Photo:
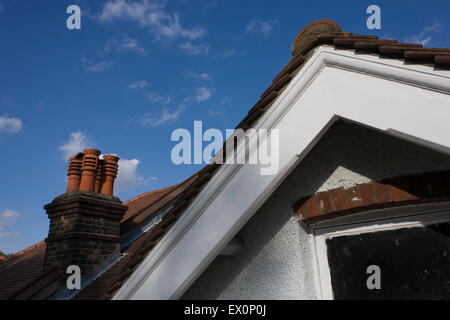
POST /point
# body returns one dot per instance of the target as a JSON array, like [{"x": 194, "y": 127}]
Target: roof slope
[
  {"x": 177, "y": 198},
  {"x": 22, "y": 275},
  {"x": 20, "y": 269}
]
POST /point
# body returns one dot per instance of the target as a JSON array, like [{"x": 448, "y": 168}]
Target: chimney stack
[{"x": 84, "y": 223}]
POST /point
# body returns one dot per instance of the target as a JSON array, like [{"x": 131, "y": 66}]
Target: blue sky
[{"x": 136, "y": 71}]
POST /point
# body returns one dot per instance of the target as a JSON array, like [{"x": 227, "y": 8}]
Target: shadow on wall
[{"x": 275, "y": 262}]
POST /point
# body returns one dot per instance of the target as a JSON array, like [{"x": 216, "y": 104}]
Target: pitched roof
[
  {"x": 20, "y": 269},
  {"x": 22, "y": 275},
  {"x": 177, "y": 198}
]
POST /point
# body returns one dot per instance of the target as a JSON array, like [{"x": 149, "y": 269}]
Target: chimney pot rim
[
  {"x": 92, "y": 151},
  {"x": 111, "y": 157},
  {"x": 77, "y": 156}
]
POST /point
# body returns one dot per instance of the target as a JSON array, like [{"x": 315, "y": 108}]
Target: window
[{"x": 411, "y": 255}]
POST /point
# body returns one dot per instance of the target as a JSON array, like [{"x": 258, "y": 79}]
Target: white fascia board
[{"x": 386, "y": 95}]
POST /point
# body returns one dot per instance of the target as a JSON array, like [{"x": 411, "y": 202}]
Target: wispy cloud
[
  {"x": 197, "y": 76},
  {"x": 259, "y": 26},
  {"x": 229, "y": 53},
  {"x": 194, "y": 49},
  {"x": 225, "y": 100},
  {"x": 76, "y": 143},
  {"x": 92, "y": 66},
  {"x": 163, "y": 117},
  {"x": 151, "y": 15},
  {"x": 8, "y": 218},
  {"x": 154, "y": 97},
  {"x": 10, "y": 234},
  {"x": 125, "y": 45},
  {"x": 213, "y": 113},
  {"x": 139, "y": 84},
  {"x": 425, "y": 37},
  {"x": 203, "y": 94},
  {"x": 9, "y": 124}
]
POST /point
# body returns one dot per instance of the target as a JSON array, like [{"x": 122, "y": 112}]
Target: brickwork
[
  {"x": 414, "y": 189},
  {"x": 84, "y": 230}
]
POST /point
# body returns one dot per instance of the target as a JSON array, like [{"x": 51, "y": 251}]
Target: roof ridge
[
  {"x": 34, "y": 246},
  {"x": 174, "y": 189}
]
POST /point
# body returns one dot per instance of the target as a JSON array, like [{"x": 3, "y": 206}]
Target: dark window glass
[{"x": 414, "y": 263}]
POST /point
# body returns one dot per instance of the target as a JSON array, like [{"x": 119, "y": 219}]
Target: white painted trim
[
  {"x": 406, "y": 220},
  {"x": 331, "y": 85}
]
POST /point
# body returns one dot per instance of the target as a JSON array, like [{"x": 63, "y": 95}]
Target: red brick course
[{"x": 405, "y": 190}]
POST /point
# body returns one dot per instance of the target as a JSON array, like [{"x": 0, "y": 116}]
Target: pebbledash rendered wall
[{"x": 276, "y": 259}]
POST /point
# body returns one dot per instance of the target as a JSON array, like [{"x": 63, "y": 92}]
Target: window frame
[{"x": 412, "y": 216}]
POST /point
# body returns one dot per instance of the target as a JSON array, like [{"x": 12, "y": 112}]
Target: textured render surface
[{"x": 276, "y": 260}]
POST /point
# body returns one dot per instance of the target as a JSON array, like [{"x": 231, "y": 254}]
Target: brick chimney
[{"x": 85, "y": 224}]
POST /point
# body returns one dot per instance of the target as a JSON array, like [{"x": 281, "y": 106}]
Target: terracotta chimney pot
[
  {"x": 100, "y": 176},
  {"x": 89, "y": 169},
  {"x": 111, "y": 168},
  {"x": 74, "y": 172}
]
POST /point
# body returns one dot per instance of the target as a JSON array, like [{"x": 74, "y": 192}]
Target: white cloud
[
  {"x": 129, "y": 44},
  {"x": 150, "y": 15},
  {"x": 139, "y": 84},
  {"x": 92, "y": 66},
  {"x": 203, "y": 94},
  {"x": 77, "y": 142},
  {"x": 259, "y": 26},
  {"x": 127, "y": 176},
  {"x": 230, "y": 53},
  {"x": 197, "y": 76},
  {"x": 154, "y": 97},
  {"x": 165, "y": 116},
  {"x": 213, "y": 113},
  {"x": 126, "y": 45},
  {"x": 8, "y": 218},
  {"x": 195, "y": 49},
  {"x": 426, "y": 35},
  {"x": 10, "y": 125},
  {"x": 150, "y": 179},
  {"x": 9, "y": 234}
]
